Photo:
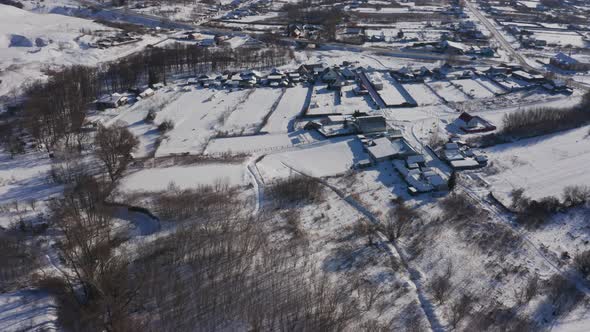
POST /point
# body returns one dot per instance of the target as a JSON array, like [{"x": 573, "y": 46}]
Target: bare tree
[
  {"x": 582, "y": 263},
  {"x": 114, "y": 146},
  {"x": 441, "y": 285},
  {"x": 400, "y": 220},
  {"x": 460, "y": 308},
  {"x": 100, "y": 290},
  {"x": 529, "y": 291}
]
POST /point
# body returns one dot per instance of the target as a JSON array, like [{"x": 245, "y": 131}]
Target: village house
[
  {"x": 527, "y": 77},
  {"x": 383, "y": 148},
  {"x": 371, "y": 124},
  {"x": 147, "y": 93},
  {"x": 569, "y": 62},
  {"x": 330, "y": 75},
  {"x": 451, "y": 47},
  {"x": 474, "y": 124},
  {"x": 111, "y": 101}
]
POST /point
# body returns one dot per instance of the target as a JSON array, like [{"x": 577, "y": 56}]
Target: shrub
[
  {"x": 562, "y": 293},
  {"x": 151, "y": 116},
  {"x": 576, "y": 195},
  {"x": 441, "y": 287},
  {"x": 458, "y": 207},
  {"x": 296, "y": 189},
  {"x": 166, "y": 126},
  {"x": 582, "y": 263}
]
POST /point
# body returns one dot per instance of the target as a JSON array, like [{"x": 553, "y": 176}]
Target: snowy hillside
[{"x": 31, "y": 43}]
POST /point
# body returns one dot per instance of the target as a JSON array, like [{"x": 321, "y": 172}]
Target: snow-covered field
[
  {"x": 561, "y": 38},
  {"x": 184, "y": 177},
  {"x": 543, "y": 166},
  {"x": 31, "y": 43},
  {"x": 350, "y": 102}
]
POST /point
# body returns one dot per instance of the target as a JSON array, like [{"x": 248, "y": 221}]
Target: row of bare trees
[{"x": 537, "y": 122}]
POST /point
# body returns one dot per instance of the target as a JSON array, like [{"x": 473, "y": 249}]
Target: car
[{"x": 473, "y": 58}]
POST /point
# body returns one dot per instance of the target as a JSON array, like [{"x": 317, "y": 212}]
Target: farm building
[
  {"x": 147, "y": 93},
  {"x": 421, "y": 180},
  {"x": 527, "y": 77},
  {"x": 111, "y": 101},
  {"x": 371, "y": 124},
  {"x": 464, "y": 164},
  {"x": 330, "y": 75},
  {"x": 384, "y": 149},
  {"x": 474, "y": 124}
]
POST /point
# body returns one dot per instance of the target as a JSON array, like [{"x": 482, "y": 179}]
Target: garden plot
[
  {"x": 350, "y": 102},
  {"x": 543, "y": 166},
  {"x": 447, "y": 91},
  {"x": 323, "y": 100},
  {"x": 196, "y": 114},
  {"x": 248, "y": 116},
  {"x": 491, "y": 86},
  {"x": 422, "y": 94},
  {"x": 473, "y": 88},
  {"x": 333, "y": 157},
  {"x": 393, "y": 93},
  {"x": 289, "y": 107},
  {"x": 184, "y": 177}
]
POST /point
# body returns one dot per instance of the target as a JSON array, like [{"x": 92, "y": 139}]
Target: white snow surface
[
  {"x": 333, "y": 157},
  {"x": 184, "y": 177},
  {"x": 543, "y": 166},
  {"x": 30, "y": 42}
]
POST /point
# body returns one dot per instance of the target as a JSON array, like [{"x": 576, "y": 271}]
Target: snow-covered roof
[
  {"x": 383, "y": 148},
  {"x": 564, "y": 59},
  {"x": 455, "y": 45},
  {"x": 464, "y": 163},
  {"x": 451, "y": 146},
  {"x": 416, "y": 159}
]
